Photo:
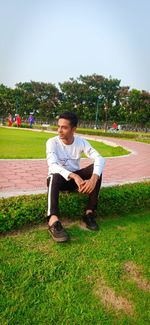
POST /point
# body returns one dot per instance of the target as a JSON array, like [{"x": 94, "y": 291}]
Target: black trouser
[{"x": 57, "y": 183}]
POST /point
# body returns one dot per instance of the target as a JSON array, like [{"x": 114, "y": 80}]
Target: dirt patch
[
  {"x": 23, "y": 230},
  {"x": 121, "y": 227},
  {"x": 111, "y": 299},
  {"x": 134, "y": 273},
  {"x": 83, "y": 226},
  {"x": 79, "y": 223},
  {"x": 69, "y": 223}
]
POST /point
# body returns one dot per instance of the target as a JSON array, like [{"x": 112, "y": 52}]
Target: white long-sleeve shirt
[{"x": 65, "y": 159}]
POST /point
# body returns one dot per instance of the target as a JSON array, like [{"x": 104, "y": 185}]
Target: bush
[
  {"x": 23, "y": 125},
  {"x": 107, "y": 134},
  {"x": 118, "y": 134},
  {"x": 16, "y": 212}
]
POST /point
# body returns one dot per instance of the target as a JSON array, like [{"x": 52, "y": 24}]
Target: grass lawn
[
  {"x": 28, "y": 144},
  {"x": 97, "y": 278}
]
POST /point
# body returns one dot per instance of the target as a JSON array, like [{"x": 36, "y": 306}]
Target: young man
[{"x": 63, "y": 157}]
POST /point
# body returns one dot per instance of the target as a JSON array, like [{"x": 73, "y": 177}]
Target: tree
[
  {"x": 122, "y": 105},
  {"x": 81, "y": 95},
  {"x": 139, "y": 108},
  {"x": 6, "y": 101},
  {"x": 88, "y": 96},
  {"x": 42, "y": 99},
  {"x": 95, "y": 99}
]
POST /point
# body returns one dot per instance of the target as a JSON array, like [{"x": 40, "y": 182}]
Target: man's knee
[
  {"x": 89, "y": 168},
  {"x": 86, "y": 172}
]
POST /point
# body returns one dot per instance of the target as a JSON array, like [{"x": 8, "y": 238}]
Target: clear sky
[{"x": 54, "y": 40}]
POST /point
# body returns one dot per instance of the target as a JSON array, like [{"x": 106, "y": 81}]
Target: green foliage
[
  {"x": 81, "y": 95},
  {"x": 22, "y": 210},
  {"x": 141, "y": 100},
  {"x": 40, "y": 98},
  {"x": 18, "y": 211},
  {"x": 123, "y": 199},
  {"x": 23, "y": 125},
  {"x": 37, "y": 97},
  {"x": 106, "y": 134},
  {"x": 6, "y": 101},
  {"x": 122, "y": 134}
]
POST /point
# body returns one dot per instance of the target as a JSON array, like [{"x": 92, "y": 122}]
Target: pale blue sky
[{"x": 53, "y": 40}]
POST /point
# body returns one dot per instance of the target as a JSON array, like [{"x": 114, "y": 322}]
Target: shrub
[
  {"x": 16, "y": 212},
  {"x": 122, "y": 134},
  {"x": 23, "y": 125}
]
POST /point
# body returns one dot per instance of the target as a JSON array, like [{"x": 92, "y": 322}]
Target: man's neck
[{"x": 68, "y": 141}]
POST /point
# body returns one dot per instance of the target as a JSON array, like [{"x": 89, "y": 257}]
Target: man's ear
[{"x": 74, "y": 129}]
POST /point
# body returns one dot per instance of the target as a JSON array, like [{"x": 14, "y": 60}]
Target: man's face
[{"x": 65, "y": 130}]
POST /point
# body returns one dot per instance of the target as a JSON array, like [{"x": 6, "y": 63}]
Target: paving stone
[{"x": 28, "y": 176}]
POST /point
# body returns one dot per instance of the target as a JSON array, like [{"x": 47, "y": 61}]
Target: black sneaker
[
  {"x": 89, "y": 220},
  {"x": 58, "y": 232}
]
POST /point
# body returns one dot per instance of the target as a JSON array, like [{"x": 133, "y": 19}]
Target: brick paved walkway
[{"x": 19, "y": 177}]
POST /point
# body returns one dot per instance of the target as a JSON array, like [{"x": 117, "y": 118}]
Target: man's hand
[
  {"x": 89, "y": 184},
  {"x": 78, "y": 180}
]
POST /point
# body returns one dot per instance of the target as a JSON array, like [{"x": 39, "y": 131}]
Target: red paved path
[{"x": 29, "y": 176}]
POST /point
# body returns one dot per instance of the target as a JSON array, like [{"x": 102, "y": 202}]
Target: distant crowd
[
  {"x": 17, "y": 120},
  {"x": 116, "y": 127}
]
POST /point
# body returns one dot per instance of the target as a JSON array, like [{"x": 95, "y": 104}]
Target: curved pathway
[{"x": 19, "y": 177}]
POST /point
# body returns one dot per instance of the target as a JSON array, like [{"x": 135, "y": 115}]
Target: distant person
[
  {"x": 115, "y": 126},
  {"x": 10, "y": 120},
  {"x": 18, "y": 120},
  {"x": 63, "y": 157},
  {"x": 31, "y": 120}
]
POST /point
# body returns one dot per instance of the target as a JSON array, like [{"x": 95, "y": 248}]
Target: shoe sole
[
  {"x": 94, "y": 229},
  {"x": 84, "y": 224},
  {"x": 57, "y": 239}
]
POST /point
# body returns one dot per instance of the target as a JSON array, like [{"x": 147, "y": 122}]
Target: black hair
[{"x": 71, "y": 116}]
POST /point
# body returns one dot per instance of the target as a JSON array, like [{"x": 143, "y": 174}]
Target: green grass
[
  {"x": 28, "y": 144},
  {"x": 48, "y": 283}
]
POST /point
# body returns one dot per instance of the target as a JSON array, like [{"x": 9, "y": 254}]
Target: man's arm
[
  {"x": 52, "y": 160},
  {"x": 89, "y": 184},
  {"x": 78, "y": 180},
  {"x": 99, "y": 163}
]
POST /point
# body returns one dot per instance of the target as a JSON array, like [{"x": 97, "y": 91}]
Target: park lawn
[
  {"x": 97, "y": 278},
  {"x": 27, "y": 144}
]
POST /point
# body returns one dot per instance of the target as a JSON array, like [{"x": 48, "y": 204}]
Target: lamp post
[
  {"x": 105, "y": 109},
  {"x": 96, "y": 118},
  {"x": 97, "y": 110},
  {"x": 17, "y": 106}
]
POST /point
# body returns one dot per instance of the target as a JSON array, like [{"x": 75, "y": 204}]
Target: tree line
[{"x": 94, "y": 98}]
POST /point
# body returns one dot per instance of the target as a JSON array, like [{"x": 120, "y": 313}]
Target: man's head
[
  {"x": 67, "y": 124},
  {"x": 71, "y": 117}
]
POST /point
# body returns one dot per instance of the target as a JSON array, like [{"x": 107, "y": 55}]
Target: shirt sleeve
[
  {"x": 99, "y": 161},
  {"x": 53, "y": 163}
]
